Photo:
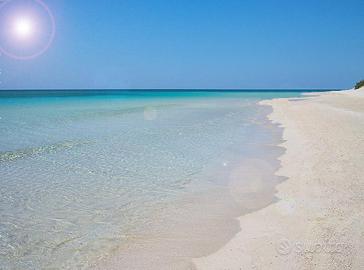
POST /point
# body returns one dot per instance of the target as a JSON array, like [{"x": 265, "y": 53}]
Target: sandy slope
[{"x": 318, "y": 223}]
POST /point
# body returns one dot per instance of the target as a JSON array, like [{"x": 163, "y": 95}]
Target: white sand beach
[{"x": 318, "y": 220}]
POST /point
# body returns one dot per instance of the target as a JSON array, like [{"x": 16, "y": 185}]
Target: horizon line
[{"x": 177, "y": 89}]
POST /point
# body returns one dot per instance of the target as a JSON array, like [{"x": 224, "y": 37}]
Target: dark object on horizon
[{"x": 359, "y": 84}]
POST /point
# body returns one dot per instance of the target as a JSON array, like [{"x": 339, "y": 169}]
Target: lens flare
[{"x": 27, "y": 28}]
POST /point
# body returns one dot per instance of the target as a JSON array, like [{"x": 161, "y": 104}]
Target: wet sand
[{"x": 318, "y": 219}]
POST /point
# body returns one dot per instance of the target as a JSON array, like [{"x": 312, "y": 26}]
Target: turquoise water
[{"x": 82, "y": 173}]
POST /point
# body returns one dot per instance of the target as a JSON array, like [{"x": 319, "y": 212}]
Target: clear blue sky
[{"x": 197, "y": 44}]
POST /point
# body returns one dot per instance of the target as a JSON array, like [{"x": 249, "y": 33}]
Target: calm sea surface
[{"x": 84, "y": 175}]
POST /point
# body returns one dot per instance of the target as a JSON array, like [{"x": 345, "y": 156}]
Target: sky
[{"x": 245, "y": 44}]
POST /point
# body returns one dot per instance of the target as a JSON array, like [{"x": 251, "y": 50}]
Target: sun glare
[{"x": 23, "y": 28}]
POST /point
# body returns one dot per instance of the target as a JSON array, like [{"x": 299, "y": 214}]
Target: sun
[
  {"x": 23, "y": 28},
  {"x": 27, "y": 28}
]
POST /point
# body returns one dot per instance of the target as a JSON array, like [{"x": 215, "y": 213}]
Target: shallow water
[{"x": 87, "y": 178}]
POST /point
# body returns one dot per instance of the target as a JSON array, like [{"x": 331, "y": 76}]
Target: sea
[{"x": 130, "y": 179}]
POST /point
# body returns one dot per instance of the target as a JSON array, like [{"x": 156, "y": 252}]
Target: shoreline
[
  {"x": 248, "y": 185},
  {"x": 317, "y": 222},
  {"x": 204, "y": 162}
]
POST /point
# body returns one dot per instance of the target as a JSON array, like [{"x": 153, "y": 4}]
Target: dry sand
[{"x": 318, "y": 221}]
